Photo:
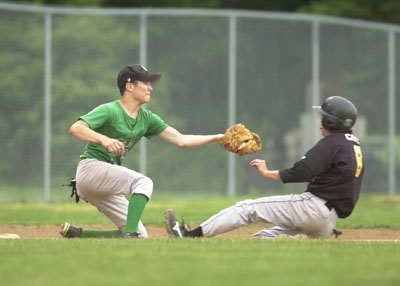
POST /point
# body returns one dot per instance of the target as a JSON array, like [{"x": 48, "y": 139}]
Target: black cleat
[
  {"x": 173, "y": 227},
  {"x": 336, "y": 233},
  {"x": 70, "y": 231},
  {"x": 130, "y": 235}
]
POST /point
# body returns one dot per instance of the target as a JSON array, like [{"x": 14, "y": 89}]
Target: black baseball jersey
[{"x": 334, "y": 169}]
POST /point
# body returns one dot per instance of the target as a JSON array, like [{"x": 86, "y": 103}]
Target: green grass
[
  {"x": 197, "y": 262},
  {"x": 212, "y": 261},
  {"x": 372, "y": 211}
]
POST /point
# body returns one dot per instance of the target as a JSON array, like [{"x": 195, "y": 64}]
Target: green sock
[
  {"x": 136, "y": 207},
  {"x": 101, "y": 233}
]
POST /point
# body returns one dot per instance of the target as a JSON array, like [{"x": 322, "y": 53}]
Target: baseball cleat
[
  {"x": 336, "y": 232},
  {"x": 70, "y": 231},
  {"x": 173, "y": 227},
  {"x": 130, "y": 235},
  {"x": 184, "y": 228}
]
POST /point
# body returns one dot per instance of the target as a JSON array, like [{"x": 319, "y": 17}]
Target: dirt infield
[{"x": 52, "y": 231}]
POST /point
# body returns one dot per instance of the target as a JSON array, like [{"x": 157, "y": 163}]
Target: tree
[{"x": 372, "y": 10}]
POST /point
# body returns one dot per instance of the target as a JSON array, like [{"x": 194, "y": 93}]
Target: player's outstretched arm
[
  {"x": 262, "y": 168},
  {"x": 184, "y": 141},
  {"x": 82, "y": 131}
]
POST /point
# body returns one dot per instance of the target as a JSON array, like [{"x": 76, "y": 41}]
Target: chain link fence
[{"x": 219, "y": 67}]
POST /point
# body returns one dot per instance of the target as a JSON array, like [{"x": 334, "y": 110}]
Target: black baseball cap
[{"x": 133, "y": 72}]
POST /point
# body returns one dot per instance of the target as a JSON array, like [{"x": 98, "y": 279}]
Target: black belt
[{"x": 329, "y": 206}]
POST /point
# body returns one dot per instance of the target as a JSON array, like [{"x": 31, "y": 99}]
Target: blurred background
[{"x": 262, "y": 63}]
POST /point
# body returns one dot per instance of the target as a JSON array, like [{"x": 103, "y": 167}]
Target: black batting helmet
[{"x": 339, "y": 113}]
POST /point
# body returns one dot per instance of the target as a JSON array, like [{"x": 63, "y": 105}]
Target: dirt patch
[{"x": 52, "y": 231}]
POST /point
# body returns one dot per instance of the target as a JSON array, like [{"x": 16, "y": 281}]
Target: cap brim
[
  {"x": 151, "y": 77},
  {"x": 319, "y": 110}
]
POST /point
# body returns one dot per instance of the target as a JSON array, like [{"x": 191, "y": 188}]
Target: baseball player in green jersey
[{"x": 111, "y": 130}]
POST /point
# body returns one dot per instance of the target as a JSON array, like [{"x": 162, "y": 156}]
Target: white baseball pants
[
  {"x": 291, "y": 214},
  {"x": 106, "y": 186}
]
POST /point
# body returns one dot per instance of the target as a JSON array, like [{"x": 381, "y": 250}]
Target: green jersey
[{"x": 111, "y": 120}]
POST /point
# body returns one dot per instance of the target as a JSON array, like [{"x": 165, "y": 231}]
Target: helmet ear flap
[
  {"x": 325, "y": 122},
  {"x": 328, "y": 123}
]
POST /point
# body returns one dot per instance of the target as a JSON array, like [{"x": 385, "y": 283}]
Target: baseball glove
[{"x": 238, "y": 139}]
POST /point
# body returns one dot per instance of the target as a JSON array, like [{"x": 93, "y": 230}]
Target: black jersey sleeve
[{"x": 298, "y": 173}]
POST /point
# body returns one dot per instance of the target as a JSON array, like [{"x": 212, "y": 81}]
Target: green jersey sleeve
[
  {"x": 156, "y": 125},
  {"x": 97, "y": 117}
]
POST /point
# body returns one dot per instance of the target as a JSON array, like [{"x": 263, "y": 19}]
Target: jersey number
[{"x": 358, "y": 153}]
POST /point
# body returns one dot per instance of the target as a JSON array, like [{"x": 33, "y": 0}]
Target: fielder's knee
[{"x": 144, "y": 186}]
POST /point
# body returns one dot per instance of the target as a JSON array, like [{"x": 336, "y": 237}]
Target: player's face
[
  {"x": 324, "y": 132},
  {"x": 142, "y": 91}
]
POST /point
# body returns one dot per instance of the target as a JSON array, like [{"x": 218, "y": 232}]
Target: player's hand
[
  {"x": 114, "y": 146},
  {"x": 219, "y": 136},
  {"x": 260, "y": 165},
  {"x": 262, "y": 168}
]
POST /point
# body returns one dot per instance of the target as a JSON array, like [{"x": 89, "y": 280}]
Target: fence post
[
  {"x": 315, "y": 77},
  {"x": 232, "y": 100},
  {"x": 47, "y": 108},
  {"x": 143, "y": 61},
  {"x": 392, "y": 112}
]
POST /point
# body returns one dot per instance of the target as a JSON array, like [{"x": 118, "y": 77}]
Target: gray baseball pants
[
  {"x": 291, "y": 214},
  {"x": 106, "y": 186}
]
